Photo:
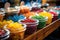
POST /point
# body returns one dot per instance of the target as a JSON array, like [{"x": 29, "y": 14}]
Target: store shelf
[{"x": 44, "y": 32}]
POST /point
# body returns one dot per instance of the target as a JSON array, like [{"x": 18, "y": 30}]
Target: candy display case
[{"x": 32, "y": 21}]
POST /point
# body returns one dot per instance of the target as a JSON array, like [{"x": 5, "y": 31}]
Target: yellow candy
[
  {"x": 47, "y": 14},
  {"x": 12, "y": 26},
  {"x": 15, "y": 27},
  {"x": 1, "y": 25},
  {"x": 7, "y": 22}
]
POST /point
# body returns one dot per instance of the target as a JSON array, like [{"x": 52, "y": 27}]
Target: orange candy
[
  {"x": 29, "y": 14},
  {"x": 24, "y": 9}
]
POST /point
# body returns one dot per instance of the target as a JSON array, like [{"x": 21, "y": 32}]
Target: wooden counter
[{"x": 44, "y": 32}]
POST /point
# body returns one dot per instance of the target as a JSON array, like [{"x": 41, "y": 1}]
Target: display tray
[{"x": 44, "y": 32}]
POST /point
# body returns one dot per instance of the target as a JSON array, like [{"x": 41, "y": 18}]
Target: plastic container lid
[{"x": 6, "y": 35}]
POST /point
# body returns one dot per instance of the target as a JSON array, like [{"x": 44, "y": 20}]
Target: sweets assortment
[{"x": 26, "y": 21}]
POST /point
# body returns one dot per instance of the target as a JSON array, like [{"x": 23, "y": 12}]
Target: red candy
[
  {"x": 54, "y": 13},
  {"x": 31, "y": 25},
  {"x": 28, "y": 20}
]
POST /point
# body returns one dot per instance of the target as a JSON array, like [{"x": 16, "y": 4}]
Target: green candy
[{"x": 42, "y": 21}]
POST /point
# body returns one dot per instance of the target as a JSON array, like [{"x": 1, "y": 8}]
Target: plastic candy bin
[
  {"x": 18, "y": 34},
  {"x": 5, "y": 34},
  {"x": 31, "y": 25},
  {"x": 42, "y": 21},
  {"x": 47, "y": 14}
]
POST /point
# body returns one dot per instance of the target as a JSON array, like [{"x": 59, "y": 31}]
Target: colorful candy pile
[
  {"x": 15, "y": 27},
  {"x": 15, "y": 18},
  {"x": 38, "y": 17},
  {"x": 28, "y": 21},
  {"x": 42, "y": 21},
  {"x": 27, "y": 15},
  {"x": 5, "y": 22}
]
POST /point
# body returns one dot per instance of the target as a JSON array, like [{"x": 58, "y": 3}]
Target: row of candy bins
[
  {"x": 26, "y": 11},
  {"x": 31, "y": 25},
  {"x": 42, "y": 20},
  {"x": 4, "y": 33},
  {"x": 16, "y": 29},
  {"x": 52, "y": 15}
]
